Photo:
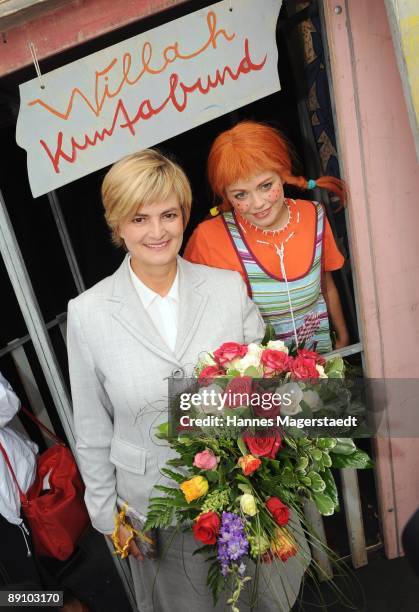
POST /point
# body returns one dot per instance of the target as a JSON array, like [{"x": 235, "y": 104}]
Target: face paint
[
  {"x": 242, "y": 207},
  {"x": 259, "y": 199},
  {"x": 272, "y": 195}
]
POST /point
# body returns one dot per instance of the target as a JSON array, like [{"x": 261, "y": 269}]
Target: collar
[{"x": 147, "y": 295}]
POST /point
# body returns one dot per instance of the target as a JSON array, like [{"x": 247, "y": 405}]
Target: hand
[{"x": 124, "y": 534}]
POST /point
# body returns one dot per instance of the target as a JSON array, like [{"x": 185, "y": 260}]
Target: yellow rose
[
  {"x": 194, "y": 488},
  {"x": 248, "y": 504}
]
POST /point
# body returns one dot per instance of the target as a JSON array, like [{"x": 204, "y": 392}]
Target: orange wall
[{"x": 379, "y": 164}]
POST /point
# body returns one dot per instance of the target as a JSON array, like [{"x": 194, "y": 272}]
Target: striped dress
[{"x": 271, "y": 294}]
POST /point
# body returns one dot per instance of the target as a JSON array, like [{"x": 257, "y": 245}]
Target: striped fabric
[{"x": 270, "y": 294}]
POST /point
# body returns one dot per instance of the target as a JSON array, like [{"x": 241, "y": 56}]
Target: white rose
[
  {"x": 207, "y": 361},
  {"x": 251, "y": 359},
  {"x": 291, "y": 396},
  {"x": 278, "y": 345},
  {"x": 321, "y": 371},
  {"x": 313, "y": 400}
]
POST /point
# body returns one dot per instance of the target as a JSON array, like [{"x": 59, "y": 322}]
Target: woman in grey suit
[{"x": 127, "y": 335}]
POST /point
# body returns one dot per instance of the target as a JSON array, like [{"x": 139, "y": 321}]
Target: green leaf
[
  {"x": 316, "y": 453},
  {"x": 326, "y": 460},
  {"x": 302, "y": 463},
  {"x": 211, "y": 475},
  {"x": 335, "y": 367},
  {"x": 233, "y": 373},
  {"x": 242, "y": 446},
  {"x": 358, "y": 460},
  {"x": 326, "y": 443},
  {"x": 163, "y": 431},
  {"x": 269, "y": 333},
  {"x": 344, "y": 446},
  {"x": 215, "y": 581},
  {"x": 324, "y": 504},
  {"x": 159, "y": 516},
  {"x": 253, "y": 372},
  {"x": 331, "y": 489},
  {"x": 176, "y": 476},
  {"x": 317, "y": 483}
]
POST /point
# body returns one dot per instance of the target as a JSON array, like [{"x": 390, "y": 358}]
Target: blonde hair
[{"x": 140, "y": 179}]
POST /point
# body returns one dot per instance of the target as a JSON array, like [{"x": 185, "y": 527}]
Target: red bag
[{"x": 58, "y": 515}]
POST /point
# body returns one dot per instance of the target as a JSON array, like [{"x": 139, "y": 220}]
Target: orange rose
[
  {"x": 283, "y": 545},
  {"x": 194, "y": 488},
  {"x": 249, "y": 464}
]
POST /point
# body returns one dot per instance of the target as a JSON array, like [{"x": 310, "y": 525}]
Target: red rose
[
  {"x": 238, "y": 392},
  {"x": 206, "y": 527},
  {"x": 279, "y": 511},
  {"x": 263, "y": 446},
  {"x": 268, "y": 405},
  {"x": 229, "y": 351},
  {"x": 302, "y": 368},
  {"x": 274, "y": 362},
  {"x": 312, "y": 355},
  {"x": 210, "y": 372}
]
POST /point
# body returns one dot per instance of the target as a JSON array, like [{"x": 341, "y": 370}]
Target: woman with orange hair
[{"x": 284, "y": 248}]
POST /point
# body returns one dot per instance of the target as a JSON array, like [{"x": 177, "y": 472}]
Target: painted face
[
  {"x": 260, "y": 200},
  {"x": 153, "y": 235}
]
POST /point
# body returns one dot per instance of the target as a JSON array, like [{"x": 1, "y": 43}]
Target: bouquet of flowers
[{"x": 241, "y": 487}]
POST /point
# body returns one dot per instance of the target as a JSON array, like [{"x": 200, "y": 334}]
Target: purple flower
[{"x": 232, "y": 542}]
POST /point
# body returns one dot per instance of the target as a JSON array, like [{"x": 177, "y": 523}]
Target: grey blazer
[{"x": 119, "y": 365}]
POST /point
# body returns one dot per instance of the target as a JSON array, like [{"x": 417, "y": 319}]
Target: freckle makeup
[
  {"x": 242, "y": 206},
  {"x": 272, "y": 195}
]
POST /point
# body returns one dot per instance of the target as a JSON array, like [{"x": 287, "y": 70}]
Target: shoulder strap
[
  {"x": 23, "y": 497},
  {"x": 42, "y": 426}
]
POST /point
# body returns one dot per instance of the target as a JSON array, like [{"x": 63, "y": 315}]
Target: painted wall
[
  {"x": 379, "y": 163},
  {"x": 403, "y": 16}
]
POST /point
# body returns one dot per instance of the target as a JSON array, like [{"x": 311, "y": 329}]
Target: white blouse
[{"x": 163, "y": 311}]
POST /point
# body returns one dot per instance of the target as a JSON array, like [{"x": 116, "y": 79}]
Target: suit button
[{"x": 178, "y": 373}]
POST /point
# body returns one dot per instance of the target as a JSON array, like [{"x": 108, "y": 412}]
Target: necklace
[{"x": 277, "y": 233}]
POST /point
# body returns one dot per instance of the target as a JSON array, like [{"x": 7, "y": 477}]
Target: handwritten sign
[{"x": 146, "y": 89}]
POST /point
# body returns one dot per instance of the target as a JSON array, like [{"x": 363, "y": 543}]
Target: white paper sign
[{"x": 147, "y": 89}]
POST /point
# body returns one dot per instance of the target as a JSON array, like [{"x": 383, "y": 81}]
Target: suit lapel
[
  {"x": 192, "y": 304},
  {"x": 128, "y": 309}
]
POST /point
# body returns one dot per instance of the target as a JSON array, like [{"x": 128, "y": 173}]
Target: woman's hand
[{"x": 124, "y": 534}]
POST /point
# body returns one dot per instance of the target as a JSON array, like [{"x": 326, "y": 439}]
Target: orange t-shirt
[{"x": 210, "y": 244}]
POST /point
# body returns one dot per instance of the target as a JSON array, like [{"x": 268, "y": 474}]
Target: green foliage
[
  {"x": 215, "y": 581},
  {"x": 358, "y": 460},
  {"x": 344, "y": 446},
  {"x": 160, "y": 514},
  {"x": 324, "y": 503},
  {"x": 176, "y": 476},
  {"x": 335, "y": 367},
  {"x": 331, "y": 489},
  {"x": 269, "y": 334}
]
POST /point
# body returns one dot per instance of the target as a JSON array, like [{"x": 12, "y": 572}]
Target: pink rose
[
  {"x": 228, "y": 351},
  {"x": 205, "y": 460},
  {"x": 208, "y": 373},
  {"x": 274, "y": 362},
  {"x": 302, "y": 368},
  {"x": 312, "y": 355},
  {"x": 238, "y": 392}
]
